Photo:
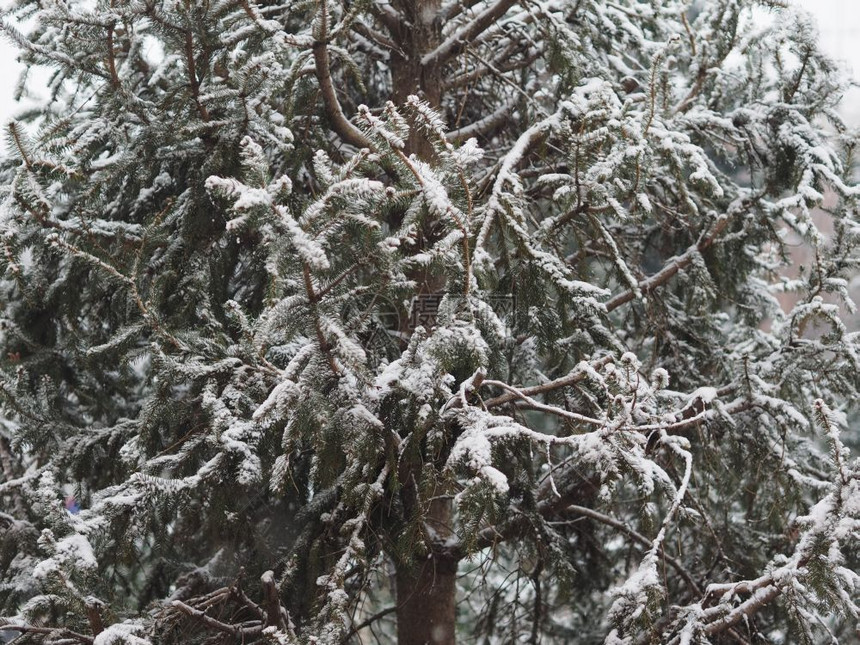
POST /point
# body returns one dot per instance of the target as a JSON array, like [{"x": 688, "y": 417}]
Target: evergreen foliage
[{"x": 427, "y": 319}]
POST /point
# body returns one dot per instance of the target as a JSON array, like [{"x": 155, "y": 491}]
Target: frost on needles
[{"x": 428, "y": 321}]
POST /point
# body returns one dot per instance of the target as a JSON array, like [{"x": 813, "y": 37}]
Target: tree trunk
[
  {"x": 427, "y": 589},
  {"x": 427, "y": 592},
  {"x": 408, "y": 76},
  {"x": 426, "y": 603}
]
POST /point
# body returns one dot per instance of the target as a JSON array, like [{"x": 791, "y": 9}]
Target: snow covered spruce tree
[{"x": 427, "y": 320}]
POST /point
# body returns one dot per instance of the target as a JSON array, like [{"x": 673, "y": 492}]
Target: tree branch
[
  {"x": 456, "y": 8},
  {"x": 466, "y": 34},
  {"x": 234, "y": 630},
  {"x": 504, "y": 62},
  {"x": 374, "y": 36},
  {"x": 313, "y": 300},
  {"x": 386, "y": 14},
  {"x": 369, "y": 621},
  {"x": 685, "y": 259},
  {"x": 339, "y": 123},
  {"x": 275, "y": 614},
  {"x": 747, "y": 608},
  {"x": 638, "y": 537},
  {"x": 47, "y": 631},
  {"x": 482, "y": 126},
  {"x": 192, "y": 76},
  {"x": 579, "y": 373}
]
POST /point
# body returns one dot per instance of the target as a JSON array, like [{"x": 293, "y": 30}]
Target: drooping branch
[
  {"x": 506, "y": 173},
  {"x": 684, "y": 260},
  {"x": 641, "y": 539}
]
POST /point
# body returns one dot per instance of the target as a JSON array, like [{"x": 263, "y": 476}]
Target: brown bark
[
  {"x": 420, "y": 33},
  {"x": 427, "y": 613},
  {"x": 427, "y": 591}
]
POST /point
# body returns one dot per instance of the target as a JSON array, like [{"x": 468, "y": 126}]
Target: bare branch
[
  {"x": 482, "y": 126},
  {"x": 369, "y": 621},
  {"x": 339, "y": 123},
  {"x": 536, "y": 405},
  {"x": 48, "y": 631},
  {"x": 374, "y": 36},
  {"x": 214, "y": 623},
  {"x": 504, "y": 62},
  {"x": 467, "y": 34},
  {"x": 456, "y": 8},
  {"x": 275, "y": 614},
  {"x": 94, "y": 616},
  {"x": 386, "y": 14},
  {"x": 579, "y": 374}
]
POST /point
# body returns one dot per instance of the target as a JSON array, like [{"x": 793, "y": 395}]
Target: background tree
[{"x": 426, "y": 319}]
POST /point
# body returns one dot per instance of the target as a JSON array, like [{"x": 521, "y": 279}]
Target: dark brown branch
[
  {"x": 192, "y": 76},
  {"x": 344, "y": 274},
  {"x": 641, "y": 539},
  {"x": 313, "y": 300},
  {"x": 385, "y": 14},
  {"x": 682, "y": 261},
  {"x": 583, "y": 490},
  {"x": 575, "y": 376},
  {"x": 467, "y": 34},
  {"x": 48, "y": 631},
  {"x": 338, "y": 121},
  {"x": 504, "y": 62},
  {"x": 236, "y": 631},
  {"x": 16, "y": 136},
  {"x": 94, "y": 616},
  {"x": 114, "y": 77},
  {"x": 374, "y": 36},
  {"x": 701, "y": 77},
  {"x": 792, "y": 91},
  {"x": 456, "y": 8},
  {"x": 482, "y": 126},
  {"x": 369, "y": 621},
  {"x": 275, "y": 614}
]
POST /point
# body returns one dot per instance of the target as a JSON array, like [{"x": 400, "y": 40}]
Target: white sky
[{"x": 839, "y": 22}]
